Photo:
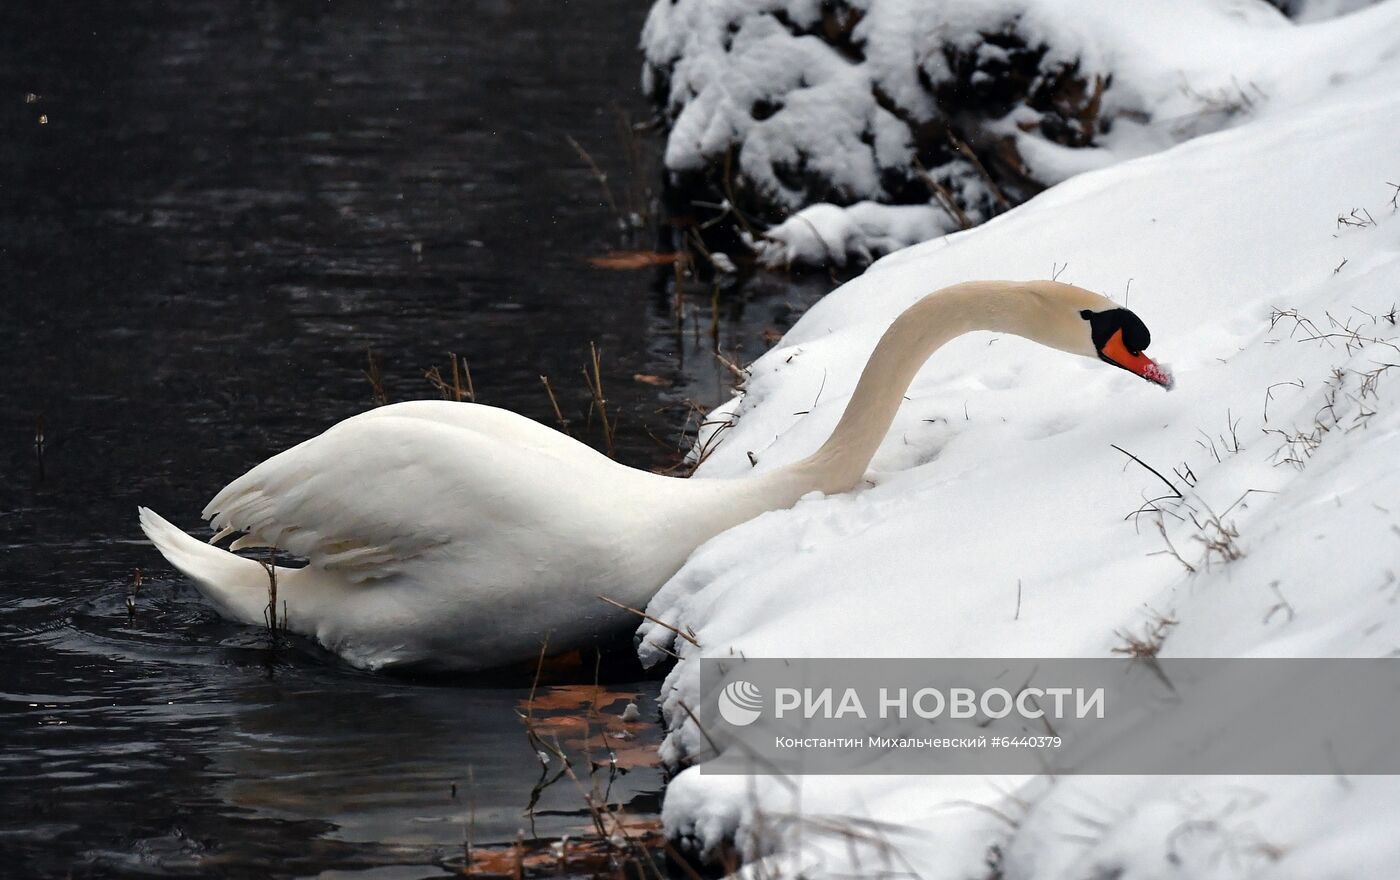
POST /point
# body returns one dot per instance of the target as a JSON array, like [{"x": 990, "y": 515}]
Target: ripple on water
[{"x": 202, "y": 279}]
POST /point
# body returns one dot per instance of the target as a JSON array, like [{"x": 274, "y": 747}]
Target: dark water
[{"x": 209, "y": 213}]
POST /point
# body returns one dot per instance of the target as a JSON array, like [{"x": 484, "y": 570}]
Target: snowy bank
[
  {"x": 999, "y": 520},
  {"x": 963, "y": 109}
]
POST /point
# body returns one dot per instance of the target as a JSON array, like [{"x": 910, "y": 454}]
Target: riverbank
[{"x": 1001, "y": 521}]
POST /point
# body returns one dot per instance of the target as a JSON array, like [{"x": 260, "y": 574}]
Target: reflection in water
[
  {"x": 424, "y": 766},
  {"x": 225, "y": 206}
]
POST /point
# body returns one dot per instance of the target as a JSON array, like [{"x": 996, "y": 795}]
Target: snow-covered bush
[
  {"x": 785, "y": 103},
  {"x": 964, "y": 108}
]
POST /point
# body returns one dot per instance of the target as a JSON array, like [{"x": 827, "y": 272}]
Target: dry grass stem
[
  {"x": 598, "y": 174},
  {"x": 270, "y": 612},
  {"x": 976, "y": 163},
  {"x": 730, "y": 201},
  {"x": 618, "y": 845},
  {"x": 1358, "y": 218},
  {"x": 461, "y": 387},
  {"x": 457, "y": 380},
  {"x": 374, "y": 372},
  {"x": 1148, "y": 644},
  {"x": 1156, "y": 473},
  {"x": 1171, "y": 548},
  {"x": 554, "y": 403},
  {"x": 639, "y": 196},
  {"x": 944, "y": 198},
  {"x": 740, "y": 374},
  {"x": 600, "y": 401},
  {"x": 1282, "y": 606},
  {"x": 1219, "y": 538},
  {"x": 687, "y": 634}
]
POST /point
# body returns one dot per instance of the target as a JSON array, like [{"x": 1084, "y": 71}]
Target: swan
[{"x": 450, "y": 536}]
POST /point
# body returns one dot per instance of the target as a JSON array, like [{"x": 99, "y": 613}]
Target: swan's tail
[{"x": 236, "y": 586}]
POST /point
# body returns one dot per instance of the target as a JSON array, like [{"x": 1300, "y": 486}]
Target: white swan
[{"x": 454, "y": 536}]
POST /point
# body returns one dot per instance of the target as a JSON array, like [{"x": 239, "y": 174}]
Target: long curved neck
[
  {"x": 1043, "y": 311},
  {"x": 1001, "y": 306}
]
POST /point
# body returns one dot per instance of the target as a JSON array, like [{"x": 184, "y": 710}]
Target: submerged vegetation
[{"x": 585, "y": 736}]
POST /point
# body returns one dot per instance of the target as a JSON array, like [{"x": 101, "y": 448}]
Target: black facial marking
[{"x": 1104, "y": 324}]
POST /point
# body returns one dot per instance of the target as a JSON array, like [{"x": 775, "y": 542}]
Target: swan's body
[{"x": 458, "y": 536}]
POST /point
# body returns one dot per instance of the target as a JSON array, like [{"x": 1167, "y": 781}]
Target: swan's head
[
  {"x": 1119, "y": 337},
  {"x": 1085, "y": 323}
]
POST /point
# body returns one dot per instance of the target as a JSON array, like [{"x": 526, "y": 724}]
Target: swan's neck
[
  {"x": 1006, "y": 307},
  {"x": 1043, "y": 311}
]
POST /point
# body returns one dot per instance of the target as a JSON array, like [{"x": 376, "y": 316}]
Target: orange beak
[{"x": 1116, "y": 353}]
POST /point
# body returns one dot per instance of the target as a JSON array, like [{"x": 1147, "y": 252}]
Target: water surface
[{"x": 211, "y": 214}]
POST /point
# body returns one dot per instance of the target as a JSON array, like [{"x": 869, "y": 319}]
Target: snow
[
  {"x": 826, "y": 234},
  {"x": 816, "y": 121},
  {"x": 1263, "y": 257}
]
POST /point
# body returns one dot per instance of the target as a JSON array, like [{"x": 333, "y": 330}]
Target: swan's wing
[
  {"x": 490, "y": 421},
  {"x": 373, "y": 494}
]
